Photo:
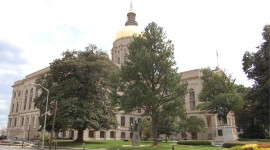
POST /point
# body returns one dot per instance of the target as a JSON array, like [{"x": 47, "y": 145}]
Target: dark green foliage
[
  {"x": 229, "y": 145},
  {"x": 256, "y": 66},
  {"x": 149, "y": 79},
  {"x": 259, "y": 140},
  {"x": 219, "y": 94},
  {"x": 79, "y": 83},
  {"x": 254, "y": 131},
  {"x": 167, "y": 126},
  {"x": 192, "y": 124},
  {"x": 191, "y": 142}
]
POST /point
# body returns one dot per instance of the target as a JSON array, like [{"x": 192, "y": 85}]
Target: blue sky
[{"x": 35, "y": 32}]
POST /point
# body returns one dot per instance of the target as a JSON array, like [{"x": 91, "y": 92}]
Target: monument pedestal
[
  {"x": 225, "y": 134},
  {"x": 136, "y": 139}
]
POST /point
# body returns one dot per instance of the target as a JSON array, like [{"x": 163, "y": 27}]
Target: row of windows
[
  {"x": 117, "y": 56},
  {"x": 19, "y": 107},
  {"x": 131, "y": 121},
  {"x": 102, "y": 134},
  {"x": 21, "y": 121},
  {"x": 20, "y": 93},
  {"x": 24, "y": 106}
]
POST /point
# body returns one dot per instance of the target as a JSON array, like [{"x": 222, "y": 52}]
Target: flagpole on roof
[{"x": 217, "y": 57}]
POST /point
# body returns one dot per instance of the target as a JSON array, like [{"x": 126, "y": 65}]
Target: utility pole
[
  {"x": 28, "y": 133},
  {"x": 54, "y": 115}
]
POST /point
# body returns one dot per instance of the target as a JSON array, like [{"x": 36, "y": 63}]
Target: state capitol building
[{"x": 23, "y": 116}]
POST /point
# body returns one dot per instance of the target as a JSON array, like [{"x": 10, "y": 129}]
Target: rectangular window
[
  {"x": 139, "y": 110},
  {"x": 139, "y": 120},
  {"x": 31, "y": 99},
  {"x": 17, "y": 107},
  {"x": 12, "y": 108},
  {"x": 192, "y": 99},
  {"x": 25, "y": 99},
  {"x": 102, "y": 134},
  {"x": 112, "y": 134},
  {"x": 15, "y": 122},
  {"x": 122, "y": 121},
  {"x": 64, "y": 134},
  {"x": 91, "y": 134},
  {"x": 131, "y": 120},
  {"x": 30, "y": 103},
  {"x": 22, "y": 121},
  {"x": 209, "y": 120}
]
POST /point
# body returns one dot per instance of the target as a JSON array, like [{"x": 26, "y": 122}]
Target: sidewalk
[{"x": 16, "y": 147}]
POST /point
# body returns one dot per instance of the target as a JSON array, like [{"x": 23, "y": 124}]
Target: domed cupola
[
  {"x": 131, "y": 26},
  {"x": 123, "y": 37},
  {"x": 131, "y": 17}
]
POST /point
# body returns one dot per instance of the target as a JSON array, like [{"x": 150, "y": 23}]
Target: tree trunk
[
  {"x": 166, "y": 138},
  {"x": 154, "y": 128},
  {"x": 80, "y": 136}
]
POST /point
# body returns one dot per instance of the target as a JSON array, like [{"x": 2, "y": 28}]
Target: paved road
[{"x": 4, "y": 147}]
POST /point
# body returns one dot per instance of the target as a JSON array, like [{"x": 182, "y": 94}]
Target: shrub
[
  {"x": 265, "y": 145},
  {"x": 236, "y": 148},
  {"x": 229, "y": 145},
  {"x": 255, "y": 132},
  {"x": 259, "y": 140},
  {"x": 190, "y": 142},
  {"x": 252, "y": 147}
]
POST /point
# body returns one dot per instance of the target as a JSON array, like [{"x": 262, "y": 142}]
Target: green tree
[
  {"x": 192, "y": 124},
  {"x": 79, "y": 83},
  {"x": 219, "y": 94},
  {"x": 145, "y": 128},
  {"x": 167, "y": 126},
  {"x": 149, "y": 79},
  {"x": 256, "y": 66}
]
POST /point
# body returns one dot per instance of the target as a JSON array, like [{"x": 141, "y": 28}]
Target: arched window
[
  {"x": 192, "y": 99},
  {"x": 123, "y": 135}
]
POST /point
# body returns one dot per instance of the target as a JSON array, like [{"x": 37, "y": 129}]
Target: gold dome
[{"x": 127, "y": 31}]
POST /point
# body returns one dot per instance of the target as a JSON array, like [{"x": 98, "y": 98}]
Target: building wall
[
  {"x": 24, "y": 119},
  {"x": 120, "y": 50},
  {"x": 23, "y": 116}
]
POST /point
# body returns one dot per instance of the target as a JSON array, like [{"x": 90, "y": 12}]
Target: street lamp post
[
  {"x": 28, "y": 133},
  {"x": 43, "y": 135}
]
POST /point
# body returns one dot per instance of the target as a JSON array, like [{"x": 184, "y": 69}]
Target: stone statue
[
  {"x": 222, "y": 114},
  {"x": 136, "y": 126}
]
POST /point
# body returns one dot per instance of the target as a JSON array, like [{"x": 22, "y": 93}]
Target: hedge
[
  {"x": 229, "y": 145},
  {"x": 191, "y": 142}
]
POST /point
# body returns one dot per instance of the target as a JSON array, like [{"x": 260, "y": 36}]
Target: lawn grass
[{"x": 121, "y": 145}]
